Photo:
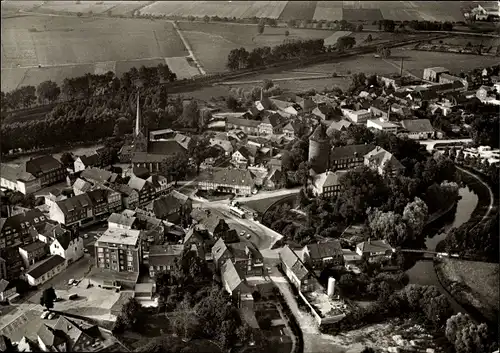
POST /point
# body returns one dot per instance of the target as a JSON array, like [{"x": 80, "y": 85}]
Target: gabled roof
[
  {"x": 73, "y": 333},
  {"x": 29, "y": 218},
  {"x": 4, "y": 285},
  {"x": 243, "y": 122},
  {"x": 338, "y": 125},
  {"x": 417, "y": 125},
  {"x": 230, "y": 275},
  {"x": 182, "y": 140},
  {"x": 32, "y": 247},
  {"x": 137, "y": 183},
  {"x": 124, "y": 189},
  {"x": 98, "y": 196},
  {"x": 318, "y": 251},
  {"x": 272, "y": 119},
  {"x": 329, "y": 178},
  {"x": 237, "y": 177},
  {"x": 65, "y": 239},
  {"x": 89, "y": 161},
  {"x": 156, "y": 180},
  {"x": 374, "y": 246},
  {"x": 98, "y": 175},
  {"x": 51, "y": 337},
  {"x": 382, "y": 159},
  {"x": 163, "y": 148},
  {"x": 293, "y": 262},
  {"x": 164, "y": 206},
  {"x": 438, "y": 69},
  {"x": 350, "y": 151},
  {"x": 14, "y": 173},
  {"x": 164, "y": 254},
  {"x": 42, "y": 164},
  {"x": 247, "y": 152},
  {"x": 45, "y": 266},
  {"x": 121, "y": 219}
]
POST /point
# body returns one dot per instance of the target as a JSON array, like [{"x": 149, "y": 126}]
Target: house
[
  {"x": 167, "y": 207},
  {"x": 199, "y": 240},
  {"x": 51, "y": 340},
  {"x": 16, "y": 179},
  {"x": 274, "y": 180},
  {"x": 418, "y": 129},
  {"x": 122, "y": 221},
  {"x": 144, "y": 291},
  {"x": 81, "y": 186},
  {"x": 7, "y": 290},
  {"x": 290, "y": 130},
  {"x": 53, "y": 196},
  {"x": 225, "y": 144},
  {"x": 162, "y": 258},
  {"x": 488, "y": 95},
  {"x": 236, "y": 181},
  {"x": 433, "y": 73},
  {"x": 245, "y": 256},
  {"x": 47, "y": 169},
  {"x": 84, "y": 162},
  {"x": 98, "y": 176},
  {"x": 356, "y": 116},
  {"x": 45, "y": 270},
  {"x": 307, "y": 104},
  {"x": 382, "y": 125},
  {"x": 182, "y": 140},
  {"x": 296, "y": 271},
  {"x": 349, "y": 157},
  {"x": 128, "y": 259},
  {"x": 271, "y": 125},
  {"x": 129, "y": 196},
  {"x": 244, "y": 156},
  {"x": 67, "y": 245},
  {"x": 375, "y": 250},
  {"x": 33, "y": 252},
  {"x": 447, "y": 78},
  {"x": 99, "y": 202},
  {"x": 16, "y": 231},
  {"x": 75, "y": 210},
  {"x": 234, "y": 282},
  {"x": 161, "y": 184},
  {"x": 382, "y": 162},
  {"x": 250, "y": 127},
  {"x": 80, "y": 336},
  {"x": 327, "y": 184},
  {"x": 323, "y": 255},
  {"x": 144, "y": 188},
  {"x": 340, "y": 125}
]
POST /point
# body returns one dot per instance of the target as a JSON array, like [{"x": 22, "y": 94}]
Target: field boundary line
[{"x": 188, "y": 47}]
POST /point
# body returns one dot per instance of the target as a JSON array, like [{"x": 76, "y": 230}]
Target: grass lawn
[{"x": 476, "y": 282}]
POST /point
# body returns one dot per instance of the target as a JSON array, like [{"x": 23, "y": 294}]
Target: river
[{"x": 423, "y": 271}]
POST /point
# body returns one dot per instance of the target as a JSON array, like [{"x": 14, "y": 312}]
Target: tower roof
[{"x": 319, "y": 133}]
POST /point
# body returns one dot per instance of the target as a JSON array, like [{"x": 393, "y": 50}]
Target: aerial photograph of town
[{"x": 250, "y": 176}]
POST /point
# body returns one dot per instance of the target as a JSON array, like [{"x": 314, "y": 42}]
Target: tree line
[
  {"x": 242, "y": 59},
  {"x": 84, "y": 87}
]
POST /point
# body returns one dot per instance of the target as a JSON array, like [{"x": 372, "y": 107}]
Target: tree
[
  {"x": 107, "y": 156},
  {"x": 415, "y": 215},
  {"x": 131, "y": 316},
  {"x": 206, "y": 19},
  {"x": 190, "y": 114},
  {"x": 67, "y": 160},
  {"x": 345, "y": 43},
  {"x": 221, "y": 228},
  {"x": 175, "y": 166},
  {"x": 48, "y": 91},
  {"x": 232, "y": 103},
  {"x": 260, "y": 27},
  {"x": 287, "y": 33},
  {"x": 359, "y": 28},
  {"x": 369, "y": 38},
  {"x": 48, "y": 298},
  {"x": 199, "y": 150},
  {"x": 121, "y": 127},
  {"x": 185, "y": 323},
  {"x": 389, "y": 226},
  {"x": 244, "y": 333}
]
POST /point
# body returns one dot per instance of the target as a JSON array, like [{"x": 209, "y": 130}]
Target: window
[{"x": 130, "y": 269}]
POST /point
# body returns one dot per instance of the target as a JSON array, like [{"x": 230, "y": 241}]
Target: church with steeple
[{"x": 149, "y": 149}]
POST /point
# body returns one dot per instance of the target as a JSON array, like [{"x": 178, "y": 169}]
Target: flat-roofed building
[{"x": 119, "y": 250}]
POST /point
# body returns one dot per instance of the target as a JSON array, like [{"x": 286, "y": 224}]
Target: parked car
[
  {"x": 85, "y": 236},
  {"x": 51, "y": 316},
  {"x": 75, "y": 282},
  {"x": 71, "y": 281},
  {"x": 96, "y": 237},
  {"x": 44, "y": 315},
  {"x": 85, "y": 250},
  {"x": 248, "y": 236},
  {"x": 242, "y": 233},
  {"x": 73, "y": 296}
]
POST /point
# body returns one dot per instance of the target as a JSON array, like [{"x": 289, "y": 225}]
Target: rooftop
[
  {"x": 14, "y": 173},
  {"x": 36, "y": 245},
  {"x": 374, "y": 246},
  {"x": 231, "y": 177},
  {"x": 417, "y": 125},
  {"x": 45, "y": 266},
  {"x": 41, "y": 164},
  {"x": 121, "y": 219},
  {"x": 382, "y": 123},
  {"x": 119, "y": 236},
  {"x": 350, "y": 151}
]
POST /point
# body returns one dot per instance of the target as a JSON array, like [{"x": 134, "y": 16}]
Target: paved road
[{"x": 429, "y": 144}]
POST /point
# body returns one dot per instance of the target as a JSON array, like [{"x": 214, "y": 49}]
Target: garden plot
[
  {"x": 83, "y": 6},
  {"x": 328, "y": 11}
]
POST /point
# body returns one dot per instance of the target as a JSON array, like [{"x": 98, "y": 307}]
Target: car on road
[
  {"x": 51, "y": 316},
  {"x": 242, "y": 233},
  {"x": 44, "y": 315},
  {"x": 75, "y": 282},
  {"x": 71, "y": 281},
  {"x": 248, "y": 236},
  {"x": 57, "y": 299},
  {"x": 85, "y": 236},
  {"x": 96, "y": 237},
  {"x": 73, "y": 296},
  {"x": 85, "y": 250}
]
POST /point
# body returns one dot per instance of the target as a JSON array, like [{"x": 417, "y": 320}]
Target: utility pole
[{"x": 401, "y": 68}]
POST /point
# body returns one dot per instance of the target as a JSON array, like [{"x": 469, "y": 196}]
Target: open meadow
[
  {"x": 96, "y": 7},
  {"x": 38, "y": 48}
]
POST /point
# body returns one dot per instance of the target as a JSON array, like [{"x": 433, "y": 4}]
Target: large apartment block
[{"x": 119, "y": 250}]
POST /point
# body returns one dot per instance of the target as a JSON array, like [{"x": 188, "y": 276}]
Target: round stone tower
[{"x": 319, "y": 149}]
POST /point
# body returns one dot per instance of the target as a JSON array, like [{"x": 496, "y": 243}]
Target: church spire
[{"x": 138, "y": 118}]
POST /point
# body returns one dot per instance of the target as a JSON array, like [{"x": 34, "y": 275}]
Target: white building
[
  {"x": 45, "y": 270},
  {"x": 14, "y": 178},
  {"x": 357, "y": 116},
  {"x": 382, "y": 125},
  {"x": 67, "y": 246},
  {"x": 418, "y": 129}
]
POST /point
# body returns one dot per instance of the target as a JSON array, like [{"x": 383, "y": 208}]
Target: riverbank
[{"x": 473, "y": 284}]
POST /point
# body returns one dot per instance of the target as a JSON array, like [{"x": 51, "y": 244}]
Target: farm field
[
  {"x": 481, "y": 278},
  {"x": 238, "y": 9},
  {"x": 96, "y": 7},
  {"x": 298, "y": 10},
  {"x": 182, "y": 67},
  {"x": 69, "y": 47},
  {"x": 212, "y": 42},
  {"x": 463, "y": 40}
]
